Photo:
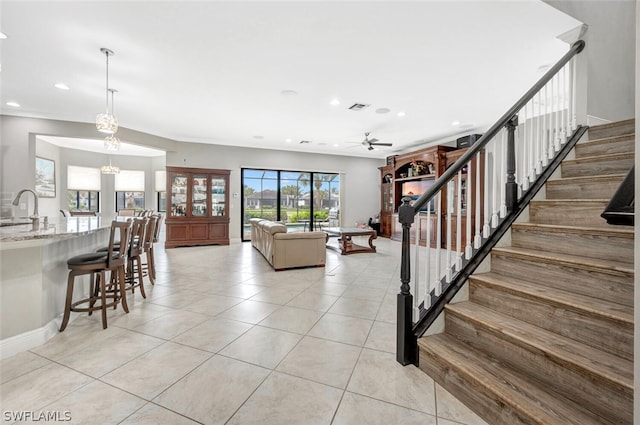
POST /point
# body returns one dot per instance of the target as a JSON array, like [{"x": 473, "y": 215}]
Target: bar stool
[
  {"x": 136, "y": 248},
  {"x": 149, "y": 235},
  {"x": 98, "y": 263},
  {"x": 151, "y": 257}
]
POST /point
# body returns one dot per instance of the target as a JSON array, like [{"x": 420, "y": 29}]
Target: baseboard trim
[
  {"x": 591, "y": 121},
  {"x": 27, "y": 340}
]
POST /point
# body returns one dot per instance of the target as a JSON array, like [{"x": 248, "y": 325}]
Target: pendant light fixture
[
  {"x": 110, "y": 169},
  {"x": 112, "y": 142},
  {"x": 106, "y": 122}
]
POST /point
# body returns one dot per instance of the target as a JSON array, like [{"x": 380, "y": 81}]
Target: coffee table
[{"x": 345, "y": 243}]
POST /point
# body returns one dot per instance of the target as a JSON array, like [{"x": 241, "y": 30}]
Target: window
[
  {"x": 161, "y": 189},
  {"x": 129, "y": 187},
  {"x": 83, "y": 188},
  {"x": 302, "y": 200},
  {"x": 83, "y": 200},
  {"x": 126, "y": 200}
]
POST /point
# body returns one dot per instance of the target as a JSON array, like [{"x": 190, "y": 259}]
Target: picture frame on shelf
[{"x": 45, "y": 177}]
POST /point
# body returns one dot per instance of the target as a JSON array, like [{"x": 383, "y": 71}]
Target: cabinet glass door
[
  {"x": 218, "y": 196},
  {"x": 199, "y": 195},
  {"x": 178, "y": 195}
]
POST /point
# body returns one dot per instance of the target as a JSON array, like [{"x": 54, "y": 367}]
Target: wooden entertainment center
[{"x": 411, "y": 174}]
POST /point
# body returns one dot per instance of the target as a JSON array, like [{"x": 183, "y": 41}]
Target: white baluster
[
  {"x": 477, "y": 240},
  {"x": 557, "y": 118},
  {"x": 488, "y": 180},
  {"x": 438, "y": 287},
  {"x": 574, "y": 119},
  {"x": 531, "y": 143},
  {"x": 427, "y": 299},
  {"x": 418, "y": 293},
  {"x": 565, "y": 127},
  {"x": 458, "y": 207},
  {"x": 468, "y": 250},
  {"x": 523, "y": 169},
  {"x": 545, "y": 128},
  {"x": 539, "y": 148},
  {"x": 450, "y": 195},
  {"x": 497, "y": 168},
  {"x": 503, "y": 175}
]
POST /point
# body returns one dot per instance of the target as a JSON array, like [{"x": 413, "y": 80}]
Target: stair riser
[
  {"x": 606, "y": 247},
  {"x": 472, "y": 394},
  {"x": 582, "y": 168},
  {"x": 589, "y": 328},
  {"x": 593, "y": 189},
  {"x": 608, "y": 286},
  {"x": 567, "y": 213},
  {"x": 611, "y": 130},
  {"x": 622, "y": 144},
  {"x": 594, "y": 392}
]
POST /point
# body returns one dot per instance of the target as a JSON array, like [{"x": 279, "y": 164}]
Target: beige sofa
[{"x": 286, "y": 250}]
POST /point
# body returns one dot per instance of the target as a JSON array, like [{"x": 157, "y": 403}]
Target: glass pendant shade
[
  {"x": 110, "y": 169},
  {"x": 112, "y": 143},
  {"x": 106, "y": 123}
]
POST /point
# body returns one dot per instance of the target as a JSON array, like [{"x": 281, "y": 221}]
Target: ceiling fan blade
[
  {"x": 381, "y": 144},
  {"x": 372, "y": 140}
]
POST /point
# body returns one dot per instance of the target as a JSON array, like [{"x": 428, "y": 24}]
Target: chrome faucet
[{"x": 35, "y": 219}]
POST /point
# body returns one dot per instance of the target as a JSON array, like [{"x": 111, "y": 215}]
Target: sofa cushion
[{"x": 272, "y": 227}]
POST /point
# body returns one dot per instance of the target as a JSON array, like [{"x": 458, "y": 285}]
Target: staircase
[{"x": 547, "y": 336}]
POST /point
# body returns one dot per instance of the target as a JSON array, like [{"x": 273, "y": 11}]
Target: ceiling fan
[{"x": 370, "y": 143}]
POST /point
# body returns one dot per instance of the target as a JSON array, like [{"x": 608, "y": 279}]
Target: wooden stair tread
[
  {"x": 607, "y": 140},
  {"x": 596, "y": 158},
  {"x": 534, "y": 404},
  {"x": 596, "y": 264},
  {"x": 588, "y": 305},
  {"x": 572, "y": 200},
  {"x": 565, "y": 351},
  {"x": 581, "y": 179},
  {"x": 614, "y": 124},
  {"x": 619, "y": 231}
]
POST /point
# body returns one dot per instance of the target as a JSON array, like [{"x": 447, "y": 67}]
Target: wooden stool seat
[{"x": 101, "y": 289}]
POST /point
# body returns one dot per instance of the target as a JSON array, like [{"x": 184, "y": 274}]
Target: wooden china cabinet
[{"x": 197, "y": 207}]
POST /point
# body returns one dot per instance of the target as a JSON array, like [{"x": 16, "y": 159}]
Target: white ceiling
[{"x": 214, "y": 71}]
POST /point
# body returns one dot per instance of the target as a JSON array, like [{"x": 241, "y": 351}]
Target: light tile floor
[{"x": 223, "y": 339}]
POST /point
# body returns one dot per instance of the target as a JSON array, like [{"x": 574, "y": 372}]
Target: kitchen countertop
[{"x": 59, "y": 228}]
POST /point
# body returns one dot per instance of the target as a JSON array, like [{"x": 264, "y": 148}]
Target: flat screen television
[{"x": 414, "y": 189}]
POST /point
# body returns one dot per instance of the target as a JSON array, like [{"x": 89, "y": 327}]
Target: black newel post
[
  {"x": 511, "y": 193},
  {"x": 405, "y": 339}
]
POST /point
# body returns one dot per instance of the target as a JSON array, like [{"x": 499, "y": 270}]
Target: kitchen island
[{"x": 33, "y": 275}]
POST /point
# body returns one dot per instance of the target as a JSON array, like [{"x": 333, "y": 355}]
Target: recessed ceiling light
[
  {"x": 14, "y": 104},
  {"x": 383, "y": 110},
  {"x": 336, "y": 145},
  {"x": 335, "y": 101},
  {"x": 287, "y": 140},
  {"x": 3, "y": 36},
  {"x": 455, "y": 123},
  {"x": 289, "y": 93},
  {"x": 401, "y": 114},
  {"x": 61, "y": 86}
]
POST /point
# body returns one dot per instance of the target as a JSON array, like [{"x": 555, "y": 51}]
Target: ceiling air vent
[
  {"x": 304, "y": 142},
  {"x": 358, "y": 106}
]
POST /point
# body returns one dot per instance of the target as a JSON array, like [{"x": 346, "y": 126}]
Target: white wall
[{"x": 610, "y": 52}]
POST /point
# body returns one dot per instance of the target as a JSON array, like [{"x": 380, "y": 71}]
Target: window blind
[
  {"x": 83, "y": 178},
  {"x": 129, "y": 181},
  {"x": 161, "y": 181}
]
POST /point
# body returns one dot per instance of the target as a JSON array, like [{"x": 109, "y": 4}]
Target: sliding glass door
[{"x": 304, "y": 201}]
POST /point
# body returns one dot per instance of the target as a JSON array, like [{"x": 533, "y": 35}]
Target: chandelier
[
  {"x": 110, "y": 169},
  {"x": 112, "y": 142},
  {"x": 106, "y": 122}
]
